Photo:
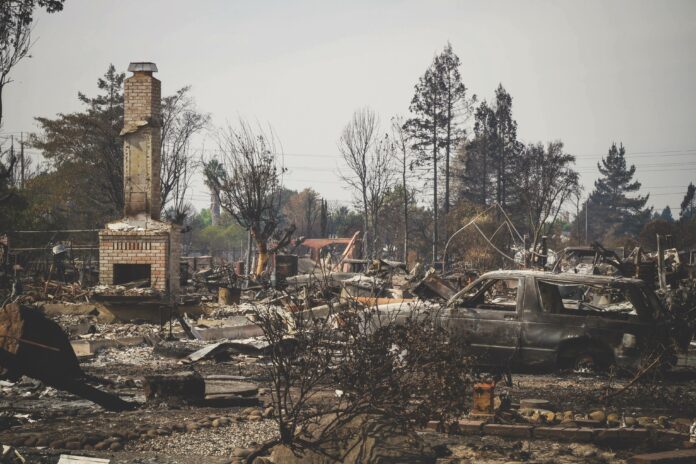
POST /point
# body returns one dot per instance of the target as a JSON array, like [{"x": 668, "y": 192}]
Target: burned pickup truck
[{"x": 532, "y": 319}]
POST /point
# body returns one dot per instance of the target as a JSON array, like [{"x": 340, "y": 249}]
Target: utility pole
[
  {"x": 21, "y": 160},
  {"x": 12, "y": 159},
  {"x": 661, "y": 263},
  {"x": 587, "y": 203}
]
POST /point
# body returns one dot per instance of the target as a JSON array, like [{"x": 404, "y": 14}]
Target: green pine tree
[
  {"x": 687, "y": 205},
  {"x": 666, "y": 214},
  {"x": 438, "y": 102},
  {"x": 613, "y": 209}
]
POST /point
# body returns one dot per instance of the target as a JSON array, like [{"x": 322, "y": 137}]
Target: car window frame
[{"x": 461, "y": 303}]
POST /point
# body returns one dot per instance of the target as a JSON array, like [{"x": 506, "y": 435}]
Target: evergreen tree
[
  {"x": 666, "y": 214},
  {"x": 479, "y": 156},
  {"x": 507, "y": 148},
  {"x": 687, "y": 204},
  {"x": 86, "y": 147},
  {"x": 424, "y": 130},
  {"x": 491, "y": 160},
  {"x": 324, "y": 219},
  {"x": 611, "y": 209},
  {"x": 454, "y": 103},
  {"x": 439, "y": 99}
]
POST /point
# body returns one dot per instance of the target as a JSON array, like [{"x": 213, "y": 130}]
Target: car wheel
[{"x": 585, "y": 363}]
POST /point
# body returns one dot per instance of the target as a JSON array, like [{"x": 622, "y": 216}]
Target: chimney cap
[{"x": 142, "y": 66}]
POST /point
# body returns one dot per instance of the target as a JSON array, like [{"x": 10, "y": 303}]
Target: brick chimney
[
  {"x": 142, "y": 139},
  {"x": 139, "y": 246}
]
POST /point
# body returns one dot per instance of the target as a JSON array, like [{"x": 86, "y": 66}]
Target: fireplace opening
[{"x": 127, "y": 273}]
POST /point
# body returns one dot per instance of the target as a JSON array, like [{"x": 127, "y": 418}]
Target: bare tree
[
  {"x": 249, "y": 185},
  {"x": 548, "y": 181},
  {"x": 16, "y": 17},
  {"x": 180, "y": 122},
  {"x": 14, "y": 47},
  {"x": 368, "y": 161},
  {"x": 404, "y": 160},
  {"x": 381, "y": 178}
]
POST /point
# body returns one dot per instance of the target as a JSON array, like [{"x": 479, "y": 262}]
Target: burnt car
[{"x": 539, "y": 320}]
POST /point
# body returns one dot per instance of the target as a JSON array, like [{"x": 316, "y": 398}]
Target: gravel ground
[
  {"x": 495, "y": 450},
  {"x": 212, "y": 441}
]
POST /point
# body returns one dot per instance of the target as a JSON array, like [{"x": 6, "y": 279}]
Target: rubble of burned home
[{"x": 322, "y": 349}]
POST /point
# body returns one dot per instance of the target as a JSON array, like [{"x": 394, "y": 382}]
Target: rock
[
  {"x": 644, "y": 421},
  {"x": 583, "y": 450},
  {"x": 116, "y": 446},
  {"x": 152, "y": 433},
  {"x": 57, "y": 444},
  {"x": 599, "y": 416},
  {"x": 613, "y": 419},
  {"x": 102, "y": 445},
  {"x": 31, "y": 441},
  {"x": 241, "y": 452},
  {"x": 73, "y": 445},
  {"x": 255, "y": 418},
  {"x": 535, "y": 404},
  {"x": 568, "y": 415},
  {"x": 216, "y": 423},
  {"x": 682, "y": 424},
  {"x": 191, "y": 426},
  {"x": 631, "y": 421},
  {"x": 91, "y": 439},
  {"x": 550, "y": 416},
  {"x": 42, "y": 441},
  {"x": 163, "y": 432}
]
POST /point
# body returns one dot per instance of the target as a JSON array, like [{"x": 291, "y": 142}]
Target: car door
[
  {"x": 546, "y": 322},
  {"x": 489, "y": 322}
]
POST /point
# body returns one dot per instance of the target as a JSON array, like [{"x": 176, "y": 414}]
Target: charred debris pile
[{"x": 130, "y": 347}]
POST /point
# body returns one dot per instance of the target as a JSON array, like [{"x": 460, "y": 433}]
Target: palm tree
[{"x": 213, "y": 170}]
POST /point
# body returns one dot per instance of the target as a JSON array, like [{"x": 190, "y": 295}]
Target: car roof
[{"x": 562, "y": 277}]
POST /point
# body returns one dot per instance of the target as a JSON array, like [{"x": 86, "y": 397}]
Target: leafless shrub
[{"x": 346, "y": 359}]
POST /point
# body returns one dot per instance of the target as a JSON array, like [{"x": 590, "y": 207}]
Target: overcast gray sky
[{"x": 585, "y": 72}]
